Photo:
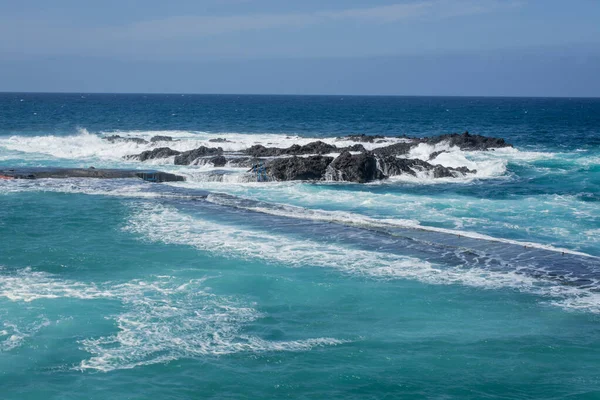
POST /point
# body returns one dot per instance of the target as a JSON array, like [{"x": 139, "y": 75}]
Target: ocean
[{"x": 485, "y": 286}]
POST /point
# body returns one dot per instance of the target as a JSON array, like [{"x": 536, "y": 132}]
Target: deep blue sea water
[{"x": 479, "y": 288}]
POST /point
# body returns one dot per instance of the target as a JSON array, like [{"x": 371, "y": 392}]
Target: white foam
[
  {"x": 354, "y": 219},
  {"x": 164, "y": 319},
  {"x": 180, "y": 321},
  {"x": 13, "y": 334},
  {"x": 85, "y": 146},
  {"x": 167, "y": 225}
]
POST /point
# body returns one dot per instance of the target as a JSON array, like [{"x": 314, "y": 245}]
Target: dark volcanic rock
[
  {"x": 392, "y": 166},
  {"x": 398, "y": 149},
  {"x": 317, "y": 147},
  {"x": 466, "y": 141},
  {"x": 62, "y": 173},
  {"x": 159, "y": 138},
  {"x": 359, "y": 168},
  {"x": 258, "y": 150},
  {"x": 218, "y": 161},
  {"x": 354, "y": 147},
  {"x": 188, "y": 157},
  {"x": 244, "y": 162},
  {"x": 117, "y": 138},
  {"x": 161, "y": 152},
  {"x": 298, "y": 168},
  {"x": 435, "y": 154},
  {"x": 219, "y": 140}
]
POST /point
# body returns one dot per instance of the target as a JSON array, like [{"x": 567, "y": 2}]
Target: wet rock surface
[
  {"x": 313, "y": 161},
  {"x": 159, "y": 138},
  {"x": 298, "y": 168},
  {"x": 161, "y": 152},
  {"x": 188, "y": 157},
  {"x": 466, "y": 141},
  {"x": 63, "y": 173}
]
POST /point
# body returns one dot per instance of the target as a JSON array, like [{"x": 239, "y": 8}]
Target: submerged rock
[
  {"x": 219, "y": 140},
  {"x": 298, "y": 168},
  {"x": 63, "y": 173}
]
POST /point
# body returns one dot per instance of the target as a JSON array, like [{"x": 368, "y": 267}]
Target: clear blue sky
[{"x": 405, "y": 47}]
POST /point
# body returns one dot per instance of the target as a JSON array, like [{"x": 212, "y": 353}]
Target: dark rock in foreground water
[{"x": 63, "y": 173}]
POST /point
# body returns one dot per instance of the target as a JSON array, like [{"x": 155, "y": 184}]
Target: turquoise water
[{"x": 234, "y": 289}]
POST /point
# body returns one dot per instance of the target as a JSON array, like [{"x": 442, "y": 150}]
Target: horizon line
[{"x": 306, "y": 95}]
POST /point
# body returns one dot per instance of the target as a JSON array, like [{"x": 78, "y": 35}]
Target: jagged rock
[
  {"x": 117, "y": 138},
  {"x": 219, "y": 140},
  {"x": 258, "y": 150},
  {"x": 161, "y": 152},
  {"x": 317, "y": 147},
  {"x": 397, "y": 149},
  {"x": 188, "y": 157},
  {"x": 298, "y": 168},
  {"x": 159, "y": 138},
  {"x": 466, "y": 141},
  {"x": 359, "y": 168},
  {"x": 392, "y": 166},
  {"x": 354, "y": 147}
]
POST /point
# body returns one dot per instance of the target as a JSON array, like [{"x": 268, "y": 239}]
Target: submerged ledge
[{"x": 63, "y": 173}]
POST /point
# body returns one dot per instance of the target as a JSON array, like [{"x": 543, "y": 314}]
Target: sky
[{"x": 376, "y": 47}]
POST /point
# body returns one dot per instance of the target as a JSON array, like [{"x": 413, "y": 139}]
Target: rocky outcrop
[
  {"x": 298, "y": 168},
  {"x": 397, "y": 149},
  {"x": 161, "y": 152},
  {"x": 188, "y": 157},
  {"x": 317, "y": 147},
  {"x": 310, "y": 161},
  {"x": 219, "y": 140},
  {"x": 469, "y": 142},
  {"x": 359, "y": 168}
]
